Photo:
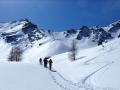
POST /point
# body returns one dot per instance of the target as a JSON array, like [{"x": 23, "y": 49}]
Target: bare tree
[
  {"x": 15, "y": 54},
  {"x": 73, "y": 51}
]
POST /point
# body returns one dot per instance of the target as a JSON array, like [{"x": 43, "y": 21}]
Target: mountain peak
[
  {"x": 17, "y": 32},
  {"x": 24, "y": 30}
]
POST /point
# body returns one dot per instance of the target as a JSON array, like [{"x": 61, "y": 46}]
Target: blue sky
[{"x": 59, "y": 15}]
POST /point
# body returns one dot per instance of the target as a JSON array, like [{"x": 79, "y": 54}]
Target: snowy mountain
[
  {"x": 20, "y": 32},
  {"x": 97, "y": 60},
  {"x": 25, "y": 32}
]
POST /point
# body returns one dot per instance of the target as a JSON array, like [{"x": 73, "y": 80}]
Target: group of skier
[{"x": 45, "y": 61}]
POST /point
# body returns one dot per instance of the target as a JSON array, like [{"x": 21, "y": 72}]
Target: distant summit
[
  {"x": 24, "y": 32},
  {"x": 19, "y": 32}
]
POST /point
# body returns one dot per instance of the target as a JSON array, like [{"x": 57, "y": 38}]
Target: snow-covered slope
[
  {"x": 5, "y": 50},
  {"x": 21, "y": 76},
  {"x": 96, "y": 67}
]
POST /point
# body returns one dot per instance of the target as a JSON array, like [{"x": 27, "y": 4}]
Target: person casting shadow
[
  {"x": 45, "y": 62},
  {"x": 50, "y": 64}
]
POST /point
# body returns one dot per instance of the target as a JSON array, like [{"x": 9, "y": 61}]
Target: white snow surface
[
  {"x": 9, "y": 27},
  {"x": 4, "y": 50},
  {"x": 96, "y": 67},
  {"x": 21, "y": 76}
]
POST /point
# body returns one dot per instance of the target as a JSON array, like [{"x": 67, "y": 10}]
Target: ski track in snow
[
  {"x": 82, "y": 85},
  {"x": 62, "y": 82}
]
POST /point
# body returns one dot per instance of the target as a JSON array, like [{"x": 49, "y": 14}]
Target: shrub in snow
[{"x": 15, "y": 54}]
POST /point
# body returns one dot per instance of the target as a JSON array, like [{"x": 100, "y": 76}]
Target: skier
[
  {"x": 50, "y": 64},
  {"x": 40, "y": 60},
  {"x": 45, "y": 62}
]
